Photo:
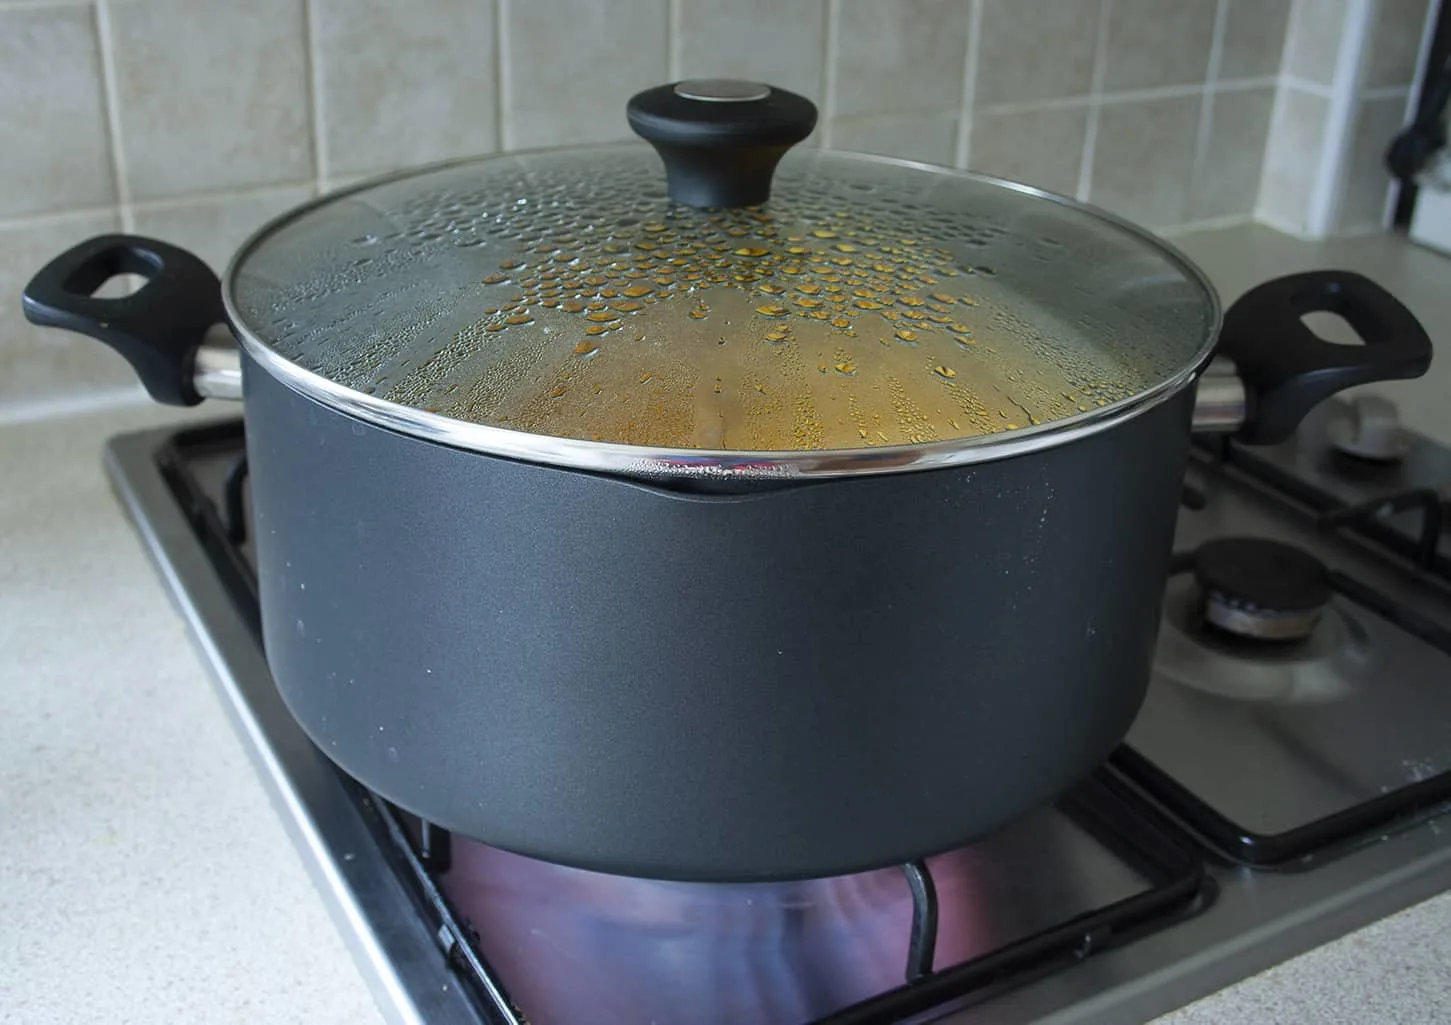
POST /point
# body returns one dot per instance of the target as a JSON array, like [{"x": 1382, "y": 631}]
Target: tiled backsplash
[
  {"x": 195, "y": 120},
  {"x": 1348, "y": 72}
]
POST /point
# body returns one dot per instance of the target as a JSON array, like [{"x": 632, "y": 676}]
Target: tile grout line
[
  {"x": 501, "y": 76},
  {"x": 962, "y": 147},
  {"x": 1095, "y": 102},
  {"x": 828, "y": 72},
  {"x": 111, "y": 95},
  {"x": 1084, "y": 99},
  {"x": 1329, "y": 179},
  {"x": 161, "y": 203},
  {"x": 20, "y": 222},
  {"x": 1384, "y": 92},
  {"x": 1305, "y": 85},
  {"x": 43, "y": 5},
  {"x": 1161, "y": 92},
  {"x": 672, "y": 40},
  {"x": 316, "y": 110},
  {"x": 1206, "y": 103}
]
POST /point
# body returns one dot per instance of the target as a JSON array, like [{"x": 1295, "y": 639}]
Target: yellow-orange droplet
[
  {"x": 557, "y": 391},
  {"x": 636, "y": 291},
  {"x": 846, "y": 367},
  {"x": 494, "y": 327},
  {"x": 772, "y": 310},
  {"x": 587, "y": 348},
  {"x": 907, "y": 335},
  {"x": 519, "y": 318},
  {"x": 627, "y": 306},
  {"x": 867, "y": 304},
  {"x": 751, "y": 251},
  {"x": 824, "y": 233},
  {"x": 601, "y": 316},
  {"x": 946, "y": 372}
]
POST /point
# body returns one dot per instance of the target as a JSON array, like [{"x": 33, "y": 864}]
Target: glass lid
[{"x": 568, "y": 307}]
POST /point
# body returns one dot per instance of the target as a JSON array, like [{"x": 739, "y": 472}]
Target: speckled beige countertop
[{"x": 144, "y": 877}]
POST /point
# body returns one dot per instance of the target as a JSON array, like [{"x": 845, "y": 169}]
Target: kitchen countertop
[{"x": 145, "y": 877}]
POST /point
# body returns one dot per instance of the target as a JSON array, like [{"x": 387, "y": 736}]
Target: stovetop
[{"x": 1270, "y": 797}]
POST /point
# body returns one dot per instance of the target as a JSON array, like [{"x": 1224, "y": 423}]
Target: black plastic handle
[
  {"x": 157, "y": 328},
  {"x": 1288, "y": 369},
  {"x": 720, "y": 139}
]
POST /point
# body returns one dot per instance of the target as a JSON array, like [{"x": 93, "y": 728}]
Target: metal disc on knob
[
  {"x": 722, "y": 90},
  {"x": 1261, "y": 589}
]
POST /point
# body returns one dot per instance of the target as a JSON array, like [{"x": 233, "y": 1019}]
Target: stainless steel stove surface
[{"x": 1285, "y": 783}]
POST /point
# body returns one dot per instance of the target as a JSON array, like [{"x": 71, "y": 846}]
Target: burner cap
[{"x": 1261, "y": 589}]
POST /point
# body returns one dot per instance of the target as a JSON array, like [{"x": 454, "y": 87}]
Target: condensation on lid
[{"x": 869, "y": 303}]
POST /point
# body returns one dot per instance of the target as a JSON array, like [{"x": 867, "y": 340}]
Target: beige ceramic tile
[
  {"x": 405, "y": 84},
  {"x": 214, "y": 227},
  {"x": 36, "y": 363},
  {"x": 571, "y": 66},
  {"x": 1292, "y": 159},
  {"x": 1158, "y": 42},
  {"x": 1367, "y": 183},
  {"x": 782, "y": 44},
  {"x": 1395, "y": 42},
  {"x": 213, "y": 94},
  {"x": 902, "y": 57},
  {"x": 1313, "y": 44},
  {"x": 54, "y": 147},
  {"x": 1143, "y": 158},
  {"x": 1036, "y": 49},
  {"x": 1254, "y": 38},
  {"x": 1228, "y": 181},
  {"x": 931, "y": 138},
  {"x": 1040, "y": 147}
]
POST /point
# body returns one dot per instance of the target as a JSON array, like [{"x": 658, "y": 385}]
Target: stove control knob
[{"x": 1371, "y": 431}]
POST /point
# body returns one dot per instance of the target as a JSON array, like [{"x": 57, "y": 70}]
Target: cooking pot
[{"x": 768, "y": 517}]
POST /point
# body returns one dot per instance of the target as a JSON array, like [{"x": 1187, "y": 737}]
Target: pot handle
[
  {"x": 158, "y": 329},
  {"x": 1287, "y": 369}
]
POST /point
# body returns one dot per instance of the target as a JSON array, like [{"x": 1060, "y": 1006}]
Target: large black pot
[{"x": 777, "y": 678}]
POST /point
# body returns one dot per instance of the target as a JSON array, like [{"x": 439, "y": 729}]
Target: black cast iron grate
[{"x": 1103, "y": 807}]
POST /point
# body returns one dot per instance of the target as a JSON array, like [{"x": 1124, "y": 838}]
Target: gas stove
[{"x": 1286, "y": 782}]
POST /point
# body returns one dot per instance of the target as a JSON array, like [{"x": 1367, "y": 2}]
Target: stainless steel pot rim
[{"x": 652, "y": 462}]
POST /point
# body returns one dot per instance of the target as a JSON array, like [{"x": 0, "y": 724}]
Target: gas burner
[{"x": 1259, "y": 589}]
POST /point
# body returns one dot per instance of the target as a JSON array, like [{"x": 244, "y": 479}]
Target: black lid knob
[{"x": 720, "y": 139}]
